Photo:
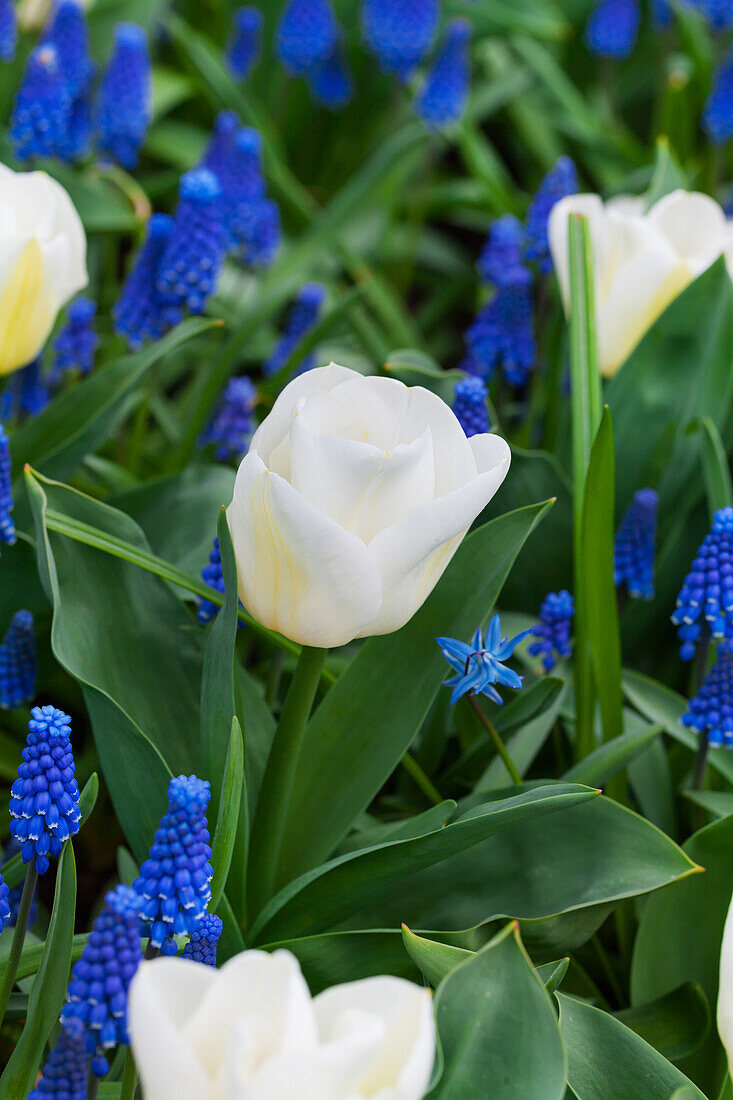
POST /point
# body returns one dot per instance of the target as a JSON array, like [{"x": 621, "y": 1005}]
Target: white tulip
[
  {"x": 250, "y": 1031},
  {"x": 355, "y": 494},
  {"x": 42, "y": 261},
  {"x": 642, "y": 261},
  {"x": 725, "y": 988}
]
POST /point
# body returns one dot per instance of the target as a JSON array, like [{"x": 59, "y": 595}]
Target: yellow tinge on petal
[
  {"x": 27, "y": 310},
  {"x": 616, "y": 346}
]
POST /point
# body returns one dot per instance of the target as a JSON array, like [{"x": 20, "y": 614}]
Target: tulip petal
[
  {"x": 694, "y": 224},
  {"x": 299, "y": 572},
  {"x": 590, "y": 207},
  {"x": 412, "y": 555},
  {"x": 163, "y": 995},
  {"x": 725, "y": 996}
]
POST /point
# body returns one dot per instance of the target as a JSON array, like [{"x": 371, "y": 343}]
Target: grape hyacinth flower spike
[
  {"x": 8, "y": 30},
  {"x": 718, "y": 113},
  {"x": 41, "y": 108},
  {"x": 96, "y": 1010},
  {"x": 560, "y": 181},
  {"x": 501, "y": 262},
  {"x": 126, "y": 96},
  {"x": 553, "y": 630},
  {"x": 204, "y": 939},
  {"x": 245, "y": 44},
  {"x": 232, "y": 423},
  {"x": 7, "y": 527},
  {"x": 441, "y": 100},
  {"x": 212, "y": 575},
  {"x": 191, "y": 263},
  {"x": 634, "y": 547},
  {"x": 76, "y": 343},
  {"x": 44, "y": 799},
  {"x": 306, "y": 35},
  {"x": 25, "y": 392},
  {"x": 503, "y": 335},
  {"x": 5, "y": 910},
  {"x": 301, "y": 319},
  {"x": 174, "y": 881},
  {"x": 612, "y": 28},
  {"x": 470, "y": 405},
  {"x": 480, "y": 665},
  {"x": 400, "y": 32},
  {"x": 142, "y": 313},
  {"x": 64, "y": 1075},
  {"x": 710, "y": 711},
  {"x": 18, "y": 662},
  {"x": 66, "y": 30},
  {"x": 330, "y": 83},
  {"x": 706, "y": 598}
]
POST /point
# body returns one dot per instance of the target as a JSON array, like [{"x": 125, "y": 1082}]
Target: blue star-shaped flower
[{"x": 479, "y": 665}]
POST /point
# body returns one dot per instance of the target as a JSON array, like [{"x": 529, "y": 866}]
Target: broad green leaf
[
  {"x": 551, "y": 974},
  {"x": 328, "y": 895},
  {"x": 435, "y": 960},
  {"x": 49, "y": 988},
  {"x": 679, "y": 937},
  {"x": 609, "y": 758},
  {"x": 498, "y": 1029},
  {"x": 717, "y": 803},
  {"x": 233, "y": 796},
  {"x": 335, "y": 957},
  {"x": 675, "y": 1024},
  {"x": 608, "y": 1061},
  {"x": 369, "y": 718},
  {"x": 715, "y": 467}
]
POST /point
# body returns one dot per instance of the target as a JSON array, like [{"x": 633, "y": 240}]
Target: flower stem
[
  {"x": 129, "y": 1077},
  {"x": 277, "y": 785},
  {"x": 16, "y": 947},
  {"x": 497, "y": 741},
  {"x": 701, "y": 763},
  {"x": 423, "y": 781},
  {"x": 92, "y": 1086}
]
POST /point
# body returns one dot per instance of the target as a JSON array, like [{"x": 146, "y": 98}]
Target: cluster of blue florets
[
  {"x": 54, "y": 114},
  {"x": 64, "y": 1076},
  {"x": 231, "y": 426},
  {"x": 718, "y": 113},
  {"x": 552, "y": 632},
  {"x": 309, "y": 44},
  {"x": 441, "y": 100},
  {"x": 245, "y": 43},
  {"x": 706, "y": 598},
  {"x": 204, "y": 939},
  {"x": 634, "y": 548},
  {"x": 469, "y": 405},
  {"x": 7, "y": 527},
  {"x": 76, "y": 343},
  {"x": 44, "y": 799},
  {"x": 711, "y": 709},
  {"x": 212, "y": 574},
  {"x": 96, "y": 1009},
  {"x": 612, "y": 28},
  {"x": 26, "y": 392},
  {"x": 18, "y": 662},
  {"x": 191, "y": 261},
  {"x": 400, "y": 32},
  {"x": 174, "y": 881},
  {"x": 303, "y": 315},
  {"x": 8, "y": 30}
]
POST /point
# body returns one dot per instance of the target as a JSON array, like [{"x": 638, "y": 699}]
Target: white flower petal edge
[{"x": 725, "y": 989}]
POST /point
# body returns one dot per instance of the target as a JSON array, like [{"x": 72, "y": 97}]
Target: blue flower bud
[
  {"x": 245, "y": 43},
  {"x": 442, "y": 98},
  {"x": 470, "y": 405}
]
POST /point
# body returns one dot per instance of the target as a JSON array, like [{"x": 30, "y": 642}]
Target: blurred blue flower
[
  {"x": 5, "y": 912},
  {"x": 331, "y": 83},
  {"x": 212, "y": 574},
  {"x": 470, "y": 405},
  {"x": 96, "y": 1010},
  {"x": 306, "y": 35},
  {"x": 712, "y": 708},
  {"x": 232, "y": 423},
  {"x": 66, "y": 30},
  {"x": 553, "y": 630},
  {"x": 706, "y": 596},
  {"x": 174, "y": 881},
  {"x": 191, "y": 263},
  {"x": 8, "y": 30},
  {"x": 25, "y": 391},
  {"x": 7, "y": 527},
  {"x": 258, "y": 232},
  {"x": 41, "y": 107},
  {"x": 44, "y": 802},
  {"x": 661, "y": 14},
  {"x": 302, "y": 317},
  {"x": 204, "y": 939},
  {"x": 480, "y": 665},
  {"x": 400, "y": 32},
  {"x": 77, "y": 341},
  {"x": 502, "y": 260},
  {"x": 64, "y": 1075},
  {"x": 125, "y": 105},
  {"x": 442, "y": 98},
  {"x": 245, "y": 44},
  {"x": 561, "y": 180},
  {"x": 503, "y": 335},
  {"x": 12, "y": 848},
  {"x": 142, "y": 313},
  {"x": 719, "y": 13},
  {"x": 634, "y": 547},
  {"x": 717, "y": 116},
  {"x": 612, "y": 28},
  {"x": 18, "y": 662}
]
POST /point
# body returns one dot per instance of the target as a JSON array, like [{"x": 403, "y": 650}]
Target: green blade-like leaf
[
  {"x": 370, "y": 717},
  {"x": 435, "y": 960},
  {"x": 232, "y": 803},
  {"x": 497, "y": 1028},
  {"x": 608, "y": 759},
  {"x": 715, "y": 468},
  {"x": 608, "y": 1061},
  {"x": 675, "y": 1024},
  {"x": 49, "y": 988}
]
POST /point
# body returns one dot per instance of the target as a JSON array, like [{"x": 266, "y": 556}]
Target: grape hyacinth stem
[
  {"x": 16, "y": 947},
  {"x": 699, "y": 668},
  {"x": 92, "y": 1086},
  {"x": 129, "y": 1077},
  {"x": 496, "y": 740}
]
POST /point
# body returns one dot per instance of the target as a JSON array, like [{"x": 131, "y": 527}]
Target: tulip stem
[
  {"x": 277, "y": 786},
  {"x": 498, "y": 743},
  {"x": 422, "y": 780},
  {"x": 129, "y": 1077},
  {"x": 16, "y": 947},
  {"x": 92, "y": 1086}
]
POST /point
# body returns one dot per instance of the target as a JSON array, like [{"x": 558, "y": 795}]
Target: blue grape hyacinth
[
  {"x": 232, "y": 423},
  {"x": 502, "y": 259},
  {"x": 64, "y": 1075},
  {"x": 202, "y": 945},
  {"x": 7, "y": 527},
  {"x": 469, "y": 405},
  {"x": 634, "y": 547},
  {"x": 503, "y": 335},
  {"x": 5, "y": 910},
  {"x": 552, "y": 632},
  {"x": 245, "y": 44},
  {"x": 330, "y": 83},
  {"x": 96, "y": 1009},
  {"x": 76, "y": 343},
  {"x": 41, "y": 108},
  {"x": 706, "y": 597},
  {"x": 441, "y": 100},
  {"x": 174, "y": 881},
  {"x": 25, "y": 392},
  {"x": 306, "y": 35},
  {"x": 18, "y": 662},
  {"x": 711, "y": 710},
  {"x": 125, "y": 105},
  {"x": 213, "y": 575},
  {"x": 66, "y": 30},
  {"x": 612, "y": 28},
  {"x": 302, "y": 317},
  {"x": 480, "y": 665},
  {"x": 44, "y": 799},
  {"x": 142, "y": 313},
  {"x": 12, "y": 848},
  {"x": 8, "y": 30},
  {"x": 191, "y": 263},
  {"x": 560, "y": 181},
  {"x": 400, "y": 32},
  {"x": 718, "y": 113},
  {"x": 719, "y": 13}
]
